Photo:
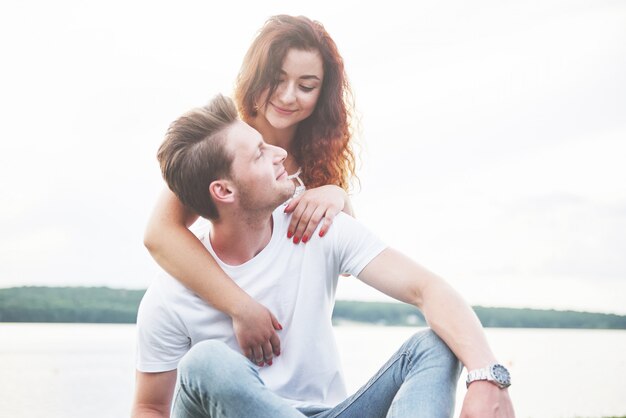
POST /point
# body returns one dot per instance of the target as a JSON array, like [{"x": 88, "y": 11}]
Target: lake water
[{"x": 87, "y": 370}]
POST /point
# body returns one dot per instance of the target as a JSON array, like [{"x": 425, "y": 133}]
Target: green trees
[
  {"x": 69, "y": 304},
  {"x": 105, "y": 305}
]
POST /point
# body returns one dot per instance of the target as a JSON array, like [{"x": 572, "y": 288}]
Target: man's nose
[{"x": 280, "y": 155}]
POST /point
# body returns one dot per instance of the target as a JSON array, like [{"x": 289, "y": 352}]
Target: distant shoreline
[{"x": 118, "y": 306}]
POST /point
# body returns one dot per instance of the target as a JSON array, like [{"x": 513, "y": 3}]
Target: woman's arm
[
  {"x": 313, "y": 206},
  {"x": 179, "y": 252}
]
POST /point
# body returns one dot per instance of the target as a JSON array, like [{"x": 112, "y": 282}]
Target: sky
[{"x": 492, "y": 136}]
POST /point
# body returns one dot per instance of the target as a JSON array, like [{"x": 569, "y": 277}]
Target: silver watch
[{"x": 495, "y": 373}]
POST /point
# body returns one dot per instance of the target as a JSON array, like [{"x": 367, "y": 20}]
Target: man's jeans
[{"x": 418, "y": 381}]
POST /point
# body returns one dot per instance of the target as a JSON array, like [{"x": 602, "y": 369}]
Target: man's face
[{"x": 257, "y": 170}]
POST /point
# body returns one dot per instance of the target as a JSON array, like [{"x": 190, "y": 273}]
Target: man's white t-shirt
[{"x": 295, "y": 282}]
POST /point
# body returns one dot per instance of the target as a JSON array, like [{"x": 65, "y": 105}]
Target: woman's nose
[{"x": 287, "y": 93}]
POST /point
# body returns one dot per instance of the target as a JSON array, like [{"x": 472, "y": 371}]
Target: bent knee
[
  {"x": 210, "y": 357},
  {"x": 428, "y": 343}
]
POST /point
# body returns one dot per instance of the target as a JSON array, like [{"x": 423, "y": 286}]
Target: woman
[{"x": 292, "y": 89}]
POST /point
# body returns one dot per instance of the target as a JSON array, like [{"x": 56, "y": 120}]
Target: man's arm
[
  {"x": 153, "y": 394},
  {"x": 449, "y": 316}
]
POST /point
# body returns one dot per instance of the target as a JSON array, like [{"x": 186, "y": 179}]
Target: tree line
[{"x": 106, "y": 305}]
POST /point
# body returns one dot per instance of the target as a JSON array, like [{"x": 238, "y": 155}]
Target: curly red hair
[{"x": 322, "y": 144}]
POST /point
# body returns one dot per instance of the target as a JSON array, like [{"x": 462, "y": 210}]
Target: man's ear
[{"x": 222, "y": 191}]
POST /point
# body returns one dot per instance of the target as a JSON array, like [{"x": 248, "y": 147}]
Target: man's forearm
[
  {"x": 447, "y": 313},
  {"x": 450, "y": 317},
  {"x": 456, "y": 323}
]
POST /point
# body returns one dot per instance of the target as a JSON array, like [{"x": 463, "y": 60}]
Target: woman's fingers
[
  {"x": 313, "y": 221},
  {"x": 305, "y": 221},
  {"x": 327, "y": 221},
  {"x": 268, "y": 354},
  {"x": 257, "y": 356},
  {"x": 296, "y": 218},
  {"x": 312, "y": 208}
]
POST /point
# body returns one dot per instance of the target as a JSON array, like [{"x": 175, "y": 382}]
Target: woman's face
[{"x": 299, "y": 86}]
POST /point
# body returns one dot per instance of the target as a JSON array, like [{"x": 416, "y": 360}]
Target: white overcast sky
[{"x": 493, "y": 135}]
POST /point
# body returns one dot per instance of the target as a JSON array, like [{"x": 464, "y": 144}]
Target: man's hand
[
  {"x": 255, "y": 329},
  {"x": 486, "y": 400}
]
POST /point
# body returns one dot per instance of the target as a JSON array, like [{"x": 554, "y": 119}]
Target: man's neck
[{"x": 238, "y": 239}]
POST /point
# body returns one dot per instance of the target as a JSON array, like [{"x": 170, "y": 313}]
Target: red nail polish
[
  {"x": 289, "y": 235},
  {"x": 296, "y": 240},
  {"x": 269, "y": 363},
  {"x": 322, "y": 233},
  {"x": 305, "y": 239}
]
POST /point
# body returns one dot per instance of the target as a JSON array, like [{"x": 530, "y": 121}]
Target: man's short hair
[{"x": 193, "y": 154}]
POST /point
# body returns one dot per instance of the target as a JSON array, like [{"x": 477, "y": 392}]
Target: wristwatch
[{"x": 495, "y": 373}]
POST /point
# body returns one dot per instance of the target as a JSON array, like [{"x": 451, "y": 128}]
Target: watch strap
[
  {"x": 477, "y": 374},
  {"x": 494, "y": 373}
]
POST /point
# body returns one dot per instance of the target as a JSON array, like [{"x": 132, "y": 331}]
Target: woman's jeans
[{"x": 419, "y": 380}]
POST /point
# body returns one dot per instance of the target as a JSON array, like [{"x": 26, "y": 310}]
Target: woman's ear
[{"x": 222, "y": 191}]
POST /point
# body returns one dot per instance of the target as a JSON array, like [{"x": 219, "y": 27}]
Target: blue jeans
[{"x": 419, "y": 380}]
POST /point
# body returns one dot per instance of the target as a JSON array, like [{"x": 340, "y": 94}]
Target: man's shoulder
[
  {"x": 163, "y": 295},
  {"x": 344, "y": 218},
  {"x": 341, "y": 220},
  {"x": 346, "y": 224}
]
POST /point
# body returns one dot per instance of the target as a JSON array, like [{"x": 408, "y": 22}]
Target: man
[{"x": 187, "y": 352}]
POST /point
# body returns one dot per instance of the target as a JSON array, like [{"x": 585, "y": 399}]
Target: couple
[{"x": 189, "y": 351}]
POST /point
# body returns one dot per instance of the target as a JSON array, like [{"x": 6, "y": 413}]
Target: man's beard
[{"x": 251, "y": 204}]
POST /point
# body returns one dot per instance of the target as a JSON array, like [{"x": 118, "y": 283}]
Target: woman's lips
[{"x": 281, "y": 110}]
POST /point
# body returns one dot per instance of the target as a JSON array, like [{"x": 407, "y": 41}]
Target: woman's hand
[
  {"x": 255, "y": 329},
  {"x": 313, "y": 206},
  {"x": 179, "y": 252}
]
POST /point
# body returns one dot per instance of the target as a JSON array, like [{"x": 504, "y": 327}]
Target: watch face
[{"x": 501, "y": 374}]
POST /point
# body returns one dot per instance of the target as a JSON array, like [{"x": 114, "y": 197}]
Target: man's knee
[
  {"x": 427, "y": 343},
  {"x": 211, "y": 360}
]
